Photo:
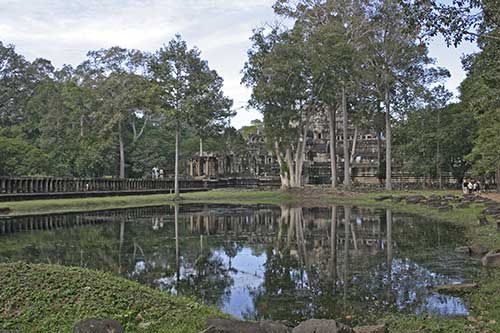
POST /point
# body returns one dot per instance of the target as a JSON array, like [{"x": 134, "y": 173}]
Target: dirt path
[{"x": 492, "y": 196}]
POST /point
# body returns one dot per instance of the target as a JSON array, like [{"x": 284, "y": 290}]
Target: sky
[{"x": 63, "y": 31}]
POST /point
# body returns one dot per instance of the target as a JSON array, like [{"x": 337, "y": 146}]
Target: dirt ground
[{"x": 492, "y": 196}]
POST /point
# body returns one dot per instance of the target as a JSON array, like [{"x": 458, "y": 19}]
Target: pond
[{"x": 260, "y": 262}]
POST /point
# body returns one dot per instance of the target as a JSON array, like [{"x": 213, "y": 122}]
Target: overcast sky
[{"x": 64, "y": 30}]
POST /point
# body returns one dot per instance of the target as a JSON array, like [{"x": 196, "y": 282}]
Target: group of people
[
  {"x": 157, "y": 173},
  {"x": 471, "y": 186}
]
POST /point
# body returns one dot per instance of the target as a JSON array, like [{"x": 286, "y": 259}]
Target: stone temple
[{"x": 366, "y": 149}]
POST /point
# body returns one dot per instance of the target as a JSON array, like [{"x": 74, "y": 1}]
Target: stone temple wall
[{"x": 258, "y": 161}]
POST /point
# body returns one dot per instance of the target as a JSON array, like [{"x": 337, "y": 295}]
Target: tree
[
  {"x": 279, "y": 74},
  {"x": 190, "y": 93},
  {"x": 126, "y": 95},
  {"x": 480, "y": 97},
  {"x": 400, "y": 67}
]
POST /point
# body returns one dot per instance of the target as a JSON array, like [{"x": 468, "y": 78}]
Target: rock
[
  {"x": 216, "y": 325},
  {"x": 5, "y": 210},
  {"x": 370, "y": 329},
  {"x": 492, "y": 210},
  {"x": 452, "y": 198},
  {"x": 478, "y": 249},
  {"x": 463, "y": 249},
  {"x": 491, "y": 259},
  {"x": 383, "y": 197},
  {"x": 98, "y": 326},
  {"x": 463, "y": 205},
  {"x": 483, "y": 220},
  {"x": 456, "y": 288},
  {"x": 397, "y": 199},
  {"x": 322, "y": 326},
  {"x": 498, "y": 226},
  {"x": 415, "y": 199}
]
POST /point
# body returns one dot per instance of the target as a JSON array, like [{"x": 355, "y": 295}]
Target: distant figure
[
  {"x": 161, "y": 173},
  {"x": 465, "y": 186},
  {"x": 470, "y": 187},
  {"x": 477, "y": 187},
  {"x": 154, "y": 173}
]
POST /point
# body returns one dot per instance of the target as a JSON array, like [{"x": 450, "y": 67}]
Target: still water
[{"x": 260, "y": 262}]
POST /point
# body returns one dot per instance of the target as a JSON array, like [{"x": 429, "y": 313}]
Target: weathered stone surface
[
  {"x": 491, "y": 259},
  {"x": 478, "y": 249},
  {"x": 322, "y": 326},
  {"x": 397, "y": 199},
  {"x": 482, "y": 220},
  {"x": 492, "y": 210},
  {"x": 463, "y": 249},
  {"x": 371, "y": 329},
  {"x": 463, "y": 205},
  {"x": 456, "y": 288},
  {"x": 5, "y": 210},
  {"x": 415, "y": 199},
  {"x": 383, "y": 197},
  {"x": 216, "y": 325},
  {"x": 98, "y": 326}
]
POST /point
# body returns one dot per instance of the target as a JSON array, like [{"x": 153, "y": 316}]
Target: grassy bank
[
  {"x": 48, "y": 298},
  {"x": 93, "y": 204}
]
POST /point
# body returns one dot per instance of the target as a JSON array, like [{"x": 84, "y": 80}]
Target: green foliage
[
  {"x": 19, "y": 158},
  {"x": 48, "y": 298},
  {"x": 435, "y": 140}
]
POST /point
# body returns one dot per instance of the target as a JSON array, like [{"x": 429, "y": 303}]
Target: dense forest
[{"x": 122, "y": 111}]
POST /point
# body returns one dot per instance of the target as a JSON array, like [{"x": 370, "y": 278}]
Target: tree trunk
[
  {"x": 201, "y": 147},
  {"x": 332, "y": 112},
  {"x": 122, "y": 151},
  {"x": 438, "y": 154},
  {"x": 388, "y": 142},
  {"x": 81, "y": 126},
  {"x": 176, "y": 179},
  {"x": 347, "y": 176},
  {"x": 285, "y": 181},
  {"x": 353, "y": 149},
  {"x": 497, "y": 178},
  {"x": 379, "y": 157}
]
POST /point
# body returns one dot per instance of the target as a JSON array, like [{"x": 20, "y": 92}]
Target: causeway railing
[{"x": 17, "y": 185}]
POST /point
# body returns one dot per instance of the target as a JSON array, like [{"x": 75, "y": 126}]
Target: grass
[
  {"x": 484, "y": 302},
  {"x": 93, "y": 204},
  {"x": 49, "y": 298}
]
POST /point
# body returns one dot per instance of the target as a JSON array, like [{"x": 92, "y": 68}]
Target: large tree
[
  {"x": 190, "y": 92},
  {"x": 126, "y": 95},
  {"x": 400, "y": 67},
  {"x": 285, "y": 93}
]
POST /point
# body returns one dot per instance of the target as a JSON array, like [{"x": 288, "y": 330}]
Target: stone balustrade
[{"x": 47, "y": 185}]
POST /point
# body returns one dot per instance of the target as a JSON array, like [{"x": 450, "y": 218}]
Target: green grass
[
  {"x": 50, "y": 298},
  {"x": 92, "y": 204}
]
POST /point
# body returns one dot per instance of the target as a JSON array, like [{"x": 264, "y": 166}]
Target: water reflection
[{"x": 260, "y": 262}]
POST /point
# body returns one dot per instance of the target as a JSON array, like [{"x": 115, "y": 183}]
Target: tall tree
[
  {"x": 400, "y": 67},
  {"x": 190, "y": 92},
  {"x": 284, "y": 92},
  {"x": 125, "y": 93}
]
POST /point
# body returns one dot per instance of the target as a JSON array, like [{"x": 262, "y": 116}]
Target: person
[
  {"x": 470, "y": 187},
  {"x": 477, "y": 187},
  {"x": 155, "y": 172},
  {"x": 161, "y": 173},
  {"x": 465, "y": 186}
]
